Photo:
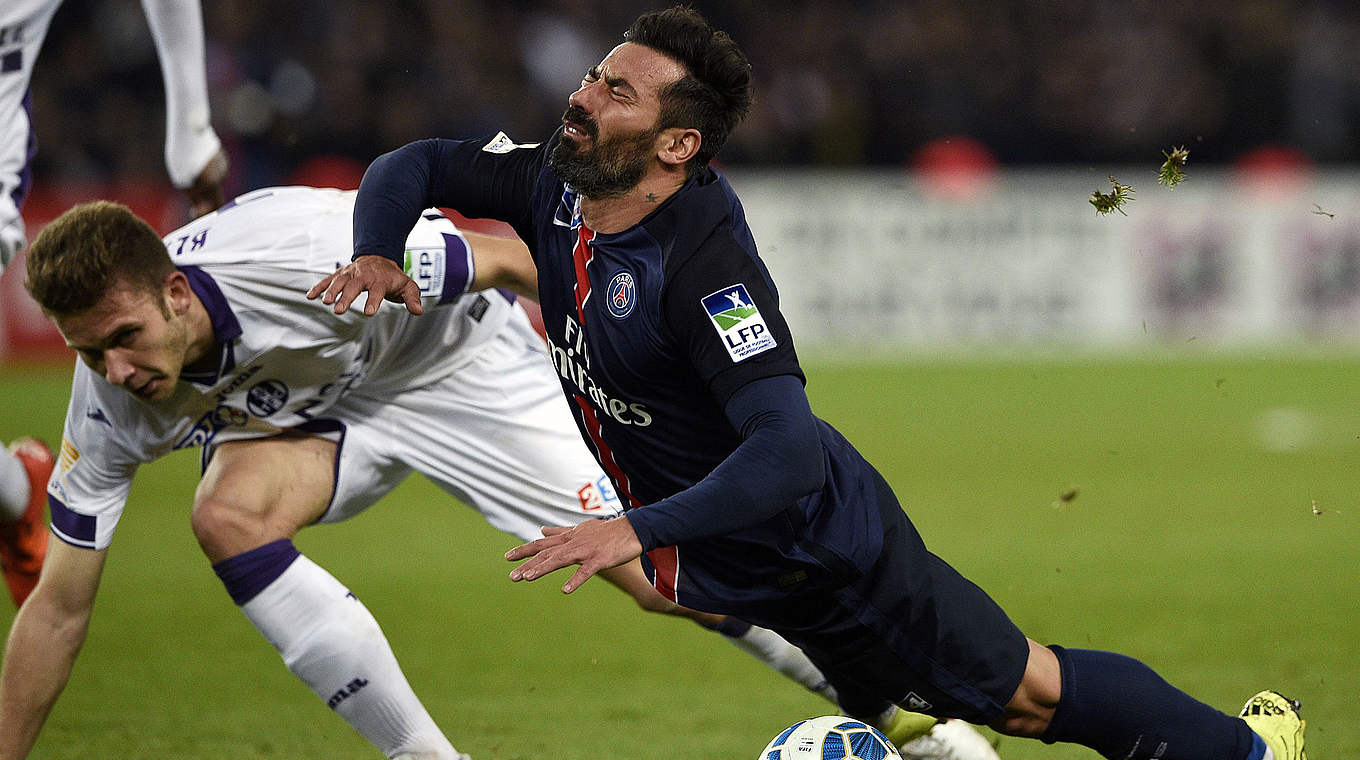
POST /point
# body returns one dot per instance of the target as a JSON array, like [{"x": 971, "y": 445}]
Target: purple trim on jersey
[
  {"x": 457, "y": 268},
  {"x": 247, "y": 574},
  {"x": 254, "y": 196},
  {"x": 20, "y": 191},
  {"x": 225, "y": 326},
  {"x": 72, "y": 527},
  {"x": 509, "y": 296}
]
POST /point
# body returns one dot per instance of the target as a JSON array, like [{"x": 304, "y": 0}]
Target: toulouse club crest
[{"x": 622, "y": 294}]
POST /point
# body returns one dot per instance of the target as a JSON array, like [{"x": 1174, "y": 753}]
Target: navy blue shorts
[{"x": 911, "y": 631}]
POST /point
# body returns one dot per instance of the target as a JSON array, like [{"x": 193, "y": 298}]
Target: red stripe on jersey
[
  {"x": 665, "y": 559},
  {"x": 606, "y": 454},
  {"x": 581, "y": 256}
]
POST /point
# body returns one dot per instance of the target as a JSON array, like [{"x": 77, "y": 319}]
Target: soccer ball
[{"x": 830, "y": 737}]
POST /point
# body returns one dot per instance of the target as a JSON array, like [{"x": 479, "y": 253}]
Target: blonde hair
[{"x": 88, "y": 251}]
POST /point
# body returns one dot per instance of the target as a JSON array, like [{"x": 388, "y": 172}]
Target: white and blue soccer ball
[{"x": 830, "y": 737}]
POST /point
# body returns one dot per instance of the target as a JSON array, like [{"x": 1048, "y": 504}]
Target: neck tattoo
[{"x": 651, "y": 197}]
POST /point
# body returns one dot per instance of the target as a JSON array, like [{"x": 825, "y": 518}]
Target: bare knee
[
  {"x": 224, "y": 529},
  {"x": 261, "y": 490},
  {"x": 1031, "y": 708}
]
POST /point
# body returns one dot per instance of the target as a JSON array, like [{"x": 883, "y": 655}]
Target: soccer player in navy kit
[{"x": 666, "y": 334}]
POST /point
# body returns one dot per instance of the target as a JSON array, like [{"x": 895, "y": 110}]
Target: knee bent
[{"x": 223, "y": 528}]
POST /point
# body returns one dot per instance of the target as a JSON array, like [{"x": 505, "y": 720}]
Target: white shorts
[{"x": 496, "y": 434}]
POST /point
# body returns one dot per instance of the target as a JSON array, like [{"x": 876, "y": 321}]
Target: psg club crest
[{"x": 622, "y": 294}]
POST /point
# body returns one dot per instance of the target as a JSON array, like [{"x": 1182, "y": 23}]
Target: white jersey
[{"x": 284, "y": 361}]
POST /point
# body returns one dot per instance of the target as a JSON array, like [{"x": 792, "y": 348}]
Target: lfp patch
[
  {"x": 738, "y": 322},
  {"x": 622, "y": 293}
]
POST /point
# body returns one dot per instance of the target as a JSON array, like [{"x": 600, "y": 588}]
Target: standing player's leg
[
  {"x": 254, "y": 496},
  {"x": 24, "y": 470}
]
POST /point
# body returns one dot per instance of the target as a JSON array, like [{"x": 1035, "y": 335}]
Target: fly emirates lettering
[{"x": 573, "y": 364}]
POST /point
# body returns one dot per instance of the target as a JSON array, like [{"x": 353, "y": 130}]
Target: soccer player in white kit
[
  {"x": 303, "y": 417},
  {"x": 194, "y": 159}
]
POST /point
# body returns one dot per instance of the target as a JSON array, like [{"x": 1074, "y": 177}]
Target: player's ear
[
  {"x": 677, "y": 145},
  {"x": 178, "y": 295}
]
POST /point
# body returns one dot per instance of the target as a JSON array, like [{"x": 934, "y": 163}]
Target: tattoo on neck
[{"x": 651, "y": 197}]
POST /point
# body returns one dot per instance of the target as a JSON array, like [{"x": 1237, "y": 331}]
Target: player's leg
[
  {"x": 24, "y": 470},
  {"x": 253, "y": 498},
  {"x": 761, "y": 643},
  {"x": 507, "y": 446},
  {"x": 1121, "y": 708},
  {"x": 951, "y": 650}
]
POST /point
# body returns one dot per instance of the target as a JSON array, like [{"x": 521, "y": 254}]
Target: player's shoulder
[
  {"x": 275, "y": 227},
  {"x": 271, "y": 211},
  {"x": 704, "y": 220}
]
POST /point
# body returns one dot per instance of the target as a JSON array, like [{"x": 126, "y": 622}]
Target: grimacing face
[
  {"x": 132, "y": 338},
  {"x": 610, "y": 125}
]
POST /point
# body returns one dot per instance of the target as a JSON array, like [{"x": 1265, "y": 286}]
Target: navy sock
[
  {"x": 1119, "y": 707},
  {"x": 248, "y": 573},
  {"x": 734, "y": 627}
]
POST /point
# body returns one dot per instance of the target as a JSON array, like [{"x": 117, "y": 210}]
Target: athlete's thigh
[
  {"x": 911, "y": 630},
  {"x": 497, "y": 435},
  {"x": 258, "y": 490}
]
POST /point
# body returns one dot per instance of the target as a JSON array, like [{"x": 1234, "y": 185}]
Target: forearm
[
  {"x": 42, "y": 647},
  {"x": 778, "y": 462},
  {"x": 502, "y": 262},
  {"x": 394, "y": 190}
]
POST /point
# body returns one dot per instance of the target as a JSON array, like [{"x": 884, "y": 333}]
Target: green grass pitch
[{"x": 1197, "y": 513}]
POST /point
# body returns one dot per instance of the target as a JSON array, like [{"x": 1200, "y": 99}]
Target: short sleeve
[{"x": 93, "y": 475}]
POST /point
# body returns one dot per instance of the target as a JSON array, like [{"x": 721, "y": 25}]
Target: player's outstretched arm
[
  {"x": 595, "y": 545},
  {"x": 374, "y": 275},
  {"x": 502, "y": 262},
  {"x": 46, "y": 636}
]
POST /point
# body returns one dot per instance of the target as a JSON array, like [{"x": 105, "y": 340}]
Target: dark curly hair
[{"x": 716, "y": 92}]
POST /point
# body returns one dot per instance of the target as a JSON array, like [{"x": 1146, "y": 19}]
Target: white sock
[
  {"x": 14, "y": 491},
  {"x": 332, "y": 642},
  {"x": 771, "y": 648}
]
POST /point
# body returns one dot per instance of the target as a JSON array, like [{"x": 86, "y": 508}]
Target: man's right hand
[{"x": 371, "y": 275}]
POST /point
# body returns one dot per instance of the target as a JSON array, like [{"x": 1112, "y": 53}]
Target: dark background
[{"x": 311, "y": 90}]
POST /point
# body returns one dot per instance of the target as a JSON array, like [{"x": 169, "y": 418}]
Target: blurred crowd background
[{"x": 311, "y": 90}]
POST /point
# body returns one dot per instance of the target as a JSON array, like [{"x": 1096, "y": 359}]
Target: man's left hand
[{"x": 595, "y": 545}]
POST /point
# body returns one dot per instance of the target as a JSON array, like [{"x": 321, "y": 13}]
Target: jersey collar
[{"x": 226, "y": 328}]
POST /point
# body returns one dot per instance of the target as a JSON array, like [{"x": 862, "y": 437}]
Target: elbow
[
  {"x": 807, "y": 467},
  {"x": 814, "y": 476}
]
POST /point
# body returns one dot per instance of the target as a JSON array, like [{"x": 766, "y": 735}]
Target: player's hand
[
  {"x": 595, "y": 545},
  {"x": 371, "y": 275},
  {"x": 205, "y": 195}
]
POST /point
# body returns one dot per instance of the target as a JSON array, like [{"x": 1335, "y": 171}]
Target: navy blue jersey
[{"x": 651, "y": 331}]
